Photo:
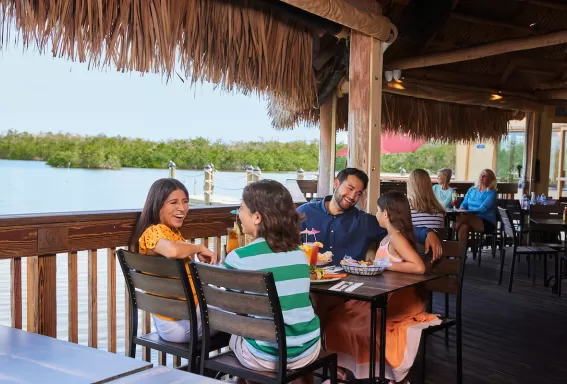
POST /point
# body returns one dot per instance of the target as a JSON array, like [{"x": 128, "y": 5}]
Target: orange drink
[
  {"x": 232, "y": 241},
  {"x": 311, "y": 251}
]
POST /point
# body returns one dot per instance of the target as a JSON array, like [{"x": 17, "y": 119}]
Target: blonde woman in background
[
  {"x": 442, "y": 190},
  {"x": 480, "y": 198},
  {"x": 426, "y": 211}
]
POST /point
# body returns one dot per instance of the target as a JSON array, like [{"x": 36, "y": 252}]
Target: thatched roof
[
  {"x": 296, "y": 60},
  {"x": 238, "y": 44}
]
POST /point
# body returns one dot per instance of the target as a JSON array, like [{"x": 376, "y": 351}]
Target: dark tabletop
[
  {"x": 555, "y": 221},
  {"x": 458, "y": 211},
  {"x": 375, "y": 286},
  {"x": 164, "y": 375},
  {"x": 27, "y": 357}
]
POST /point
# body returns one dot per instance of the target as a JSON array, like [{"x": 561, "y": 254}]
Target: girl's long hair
[
  {"x": 158, "y": 194},
  {"x": 399, "y": 213},
  {"x": 420, "y": 193},
  {"x": 280, "y": 224}
]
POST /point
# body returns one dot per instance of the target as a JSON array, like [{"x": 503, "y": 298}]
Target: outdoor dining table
[
  {"x": 375, "y": 290},
  {"x": 27, "y": 357}
]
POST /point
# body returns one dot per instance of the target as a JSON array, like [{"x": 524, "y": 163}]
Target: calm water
[{"x": 34, "y": 187}]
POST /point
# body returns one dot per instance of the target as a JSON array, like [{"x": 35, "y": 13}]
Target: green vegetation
[
  {"x": 510, "y": 155},
  {"x": 101, "y": 152}
]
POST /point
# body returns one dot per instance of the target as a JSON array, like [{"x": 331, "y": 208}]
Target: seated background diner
[
  {"x": 268, "y": 214},
  {"x": 344, "y": 229},
  {"x": 426, "y": 211},
  {"x": 157, "y": 233},
  {"x": 442, "y": 190},
  {"x": 346, "y": 326},
  {"x": 481, "y": 198}
]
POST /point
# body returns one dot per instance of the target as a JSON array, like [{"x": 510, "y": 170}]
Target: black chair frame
[{"x": 234, "y": 293}]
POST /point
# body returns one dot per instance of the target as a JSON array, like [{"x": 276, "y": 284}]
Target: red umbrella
[{"x": 392, "y": 143}]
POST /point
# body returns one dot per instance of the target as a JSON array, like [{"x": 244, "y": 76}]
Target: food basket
[{"x": 355, "y": 268}]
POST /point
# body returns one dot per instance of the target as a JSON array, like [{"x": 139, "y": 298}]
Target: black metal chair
[
  {"x": 246, "y": 303},
  {"x": 452, "y": 266},
  {"x": 530, "y": 250},
  {"x": 161, "y": 286}
]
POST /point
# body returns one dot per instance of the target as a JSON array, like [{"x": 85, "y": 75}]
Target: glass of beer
[{"x": 232, "y": 240}]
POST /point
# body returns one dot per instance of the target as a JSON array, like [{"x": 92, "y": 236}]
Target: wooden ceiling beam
[
  {"x": 495, "y": 23},
  {"x": 439, "y": 75},
  {"x": 547, "y": 4},
  {"x": 350, "y": 15},
  {"x": 553, "y": 94},
  {"x": 507, "y": 73},
  {"x": 551, "y": 85},
  {"x": 471, "y": 53},
  {"x": 449, "y": 94}
]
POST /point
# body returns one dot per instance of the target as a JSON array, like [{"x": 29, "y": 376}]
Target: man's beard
[{"x": 339, "y": 200}]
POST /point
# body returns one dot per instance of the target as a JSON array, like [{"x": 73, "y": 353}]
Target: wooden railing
[{"x": 44, "y": 239}]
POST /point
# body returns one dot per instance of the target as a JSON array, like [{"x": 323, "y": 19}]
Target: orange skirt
[{"x": 347, "y": 330}]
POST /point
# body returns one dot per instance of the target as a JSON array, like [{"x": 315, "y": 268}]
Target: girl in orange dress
[
  {"x": 347, "y": 326},
  {"x": 157, "y": 234}
]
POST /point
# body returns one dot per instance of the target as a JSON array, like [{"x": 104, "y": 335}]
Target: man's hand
[
  {"x": 207, "y": 256},
  {"x": 433, "y": 243}
]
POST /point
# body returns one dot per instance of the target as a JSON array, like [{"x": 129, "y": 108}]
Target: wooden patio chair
[
  {"x": 517, "y": 250},
  {"x": 168, "y": 279},
  {"x": 246, "y": 303},
  {"x": 452, "y": 266}
]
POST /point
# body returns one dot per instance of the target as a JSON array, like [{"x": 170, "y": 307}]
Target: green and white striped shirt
[{"x": 291, "y": 274}]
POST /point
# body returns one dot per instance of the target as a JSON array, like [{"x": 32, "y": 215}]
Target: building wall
[{"x": 473, "y": 158}]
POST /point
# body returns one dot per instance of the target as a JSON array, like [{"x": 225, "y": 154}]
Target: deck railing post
[{"x": 42, "y": 302}]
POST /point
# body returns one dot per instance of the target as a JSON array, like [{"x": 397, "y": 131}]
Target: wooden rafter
[
  {"x": 452, "y": 93},
  {"x": 551, "y": 85},
  {"x": 553, "y": 94},
  {"x": 547, "y": 4},
  {"x": 349, "y": 15},
  {"x": 471, "y": 53},
  {"x": 507, "y": 73},
  {"x": 495, "y": 23}
]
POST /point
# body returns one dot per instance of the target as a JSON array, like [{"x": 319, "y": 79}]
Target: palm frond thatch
[
  {"x": 420, "y": 118},
  {"x": 236, "y": 44}
]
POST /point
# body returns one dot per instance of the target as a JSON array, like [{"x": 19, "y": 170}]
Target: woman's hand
[
  {"x": 207, "y": 256},
  {"x": 433, "y": 243}
]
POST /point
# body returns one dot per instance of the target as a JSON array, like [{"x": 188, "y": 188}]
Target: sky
[{"x": 39, "y": 93}]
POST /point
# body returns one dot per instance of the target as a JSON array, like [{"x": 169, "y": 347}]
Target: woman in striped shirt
[
  {"x": 268, "y": 214},
  {"x": 426, "y": 211}
]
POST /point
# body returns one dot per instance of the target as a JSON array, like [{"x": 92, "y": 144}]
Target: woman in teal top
[
  {"x": 442, "y": 190},
  {"x": 481, "y": 198}
]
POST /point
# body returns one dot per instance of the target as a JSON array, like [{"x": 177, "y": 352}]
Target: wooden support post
[
  {"x": 209, "y": 175},
  {"x": 539, "y": 147},
  {"x": 365, "y": 104},
  {"x": 327, "y": 134},
  {"x": 42, "y": 302}
]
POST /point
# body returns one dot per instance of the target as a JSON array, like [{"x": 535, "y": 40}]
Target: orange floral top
[{"x": 148, "y": 241}]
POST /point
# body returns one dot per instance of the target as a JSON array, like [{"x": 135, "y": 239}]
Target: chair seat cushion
[{"x": 535, "y": 250}]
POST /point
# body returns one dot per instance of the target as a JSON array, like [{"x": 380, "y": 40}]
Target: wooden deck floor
[{"x": 518, "y": 337}]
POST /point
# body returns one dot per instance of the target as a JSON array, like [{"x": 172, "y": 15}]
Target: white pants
[{"x": 177, "y": 331}]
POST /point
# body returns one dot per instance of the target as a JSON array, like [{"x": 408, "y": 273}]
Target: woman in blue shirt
[{"x": 481, "y": 198}]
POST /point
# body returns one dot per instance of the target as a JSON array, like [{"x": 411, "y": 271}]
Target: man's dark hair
[{"x": 345, "y": 173}]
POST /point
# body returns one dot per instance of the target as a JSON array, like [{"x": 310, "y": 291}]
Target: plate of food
[
  {"x": 320, "y": 276},
  {"x": 324, "y": 258}
]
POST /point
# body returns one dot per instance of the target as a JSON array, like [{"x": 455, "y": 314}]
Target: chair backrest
[
  {"x": 507, "y": 224},
  {"x": 243, "y": 303},
  {"x": 508, "y": 203},
  {"x": 158, "y": 285},
  {"x": 451, "y": 265}
]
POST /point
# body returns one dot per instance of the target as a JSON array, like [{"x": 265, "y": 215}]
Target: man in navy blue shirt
[{"x": 347, "y": 231}]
